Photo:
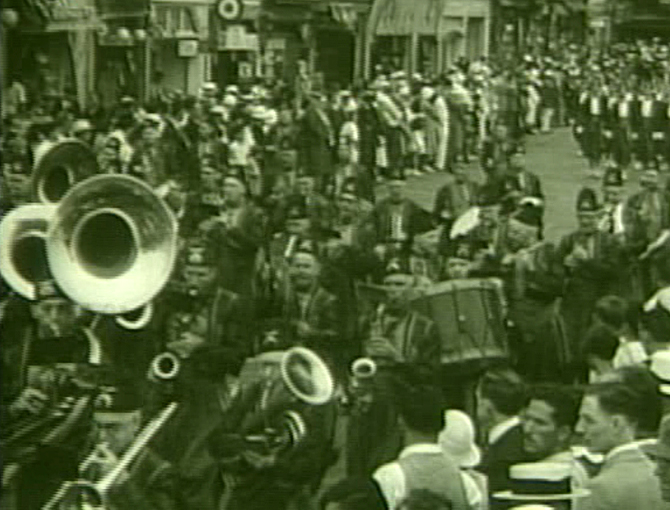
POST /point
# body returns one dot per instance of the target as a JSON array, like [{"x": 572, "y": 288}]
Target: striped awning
[{"x": 405, "y": 17}]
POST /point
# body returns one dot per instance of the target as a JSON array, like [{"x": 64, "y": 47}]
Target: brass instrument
[
  {"x": 64, "y": 165},
  {"x": 23, "y": 256},
  {"x": 363, "y": 369},
  {"x": 112, "y": 244},
  {"x": 82, "y": 494},
  {"x": 165, "y": 366}
]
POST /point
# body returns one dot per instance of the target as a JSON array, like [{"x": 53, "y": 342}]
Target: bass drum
[{"x": 470, "y": 319}]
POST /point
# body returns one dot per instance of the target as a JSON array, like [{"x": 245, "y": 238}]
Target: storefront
[
  {"x": 237, "y": 59},
  {"x": 426, "y": 36},
  {"x": 180, "y": 46},
  {"x": 51, "y": 47}
]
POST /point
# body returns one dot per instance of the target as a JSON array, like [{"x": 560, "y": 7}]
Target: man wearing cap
[
  {"x": 533, "y": 283},
  {"x": 592, "y": 262},
  {"x": 82, "y": 130},
  {"x": 395, "y": 332},
  {"x": 609, "y": 419},
  {"x": 309, "y": 310},
  {"x": 317, "y": 142},
  {"x": 46, "y": 359},
  {"x": 455, "y": 197},
  {"x": 149, "y": 481},
  {"x": 396, "y": 219},
  {"x": 236, "y": 235}
]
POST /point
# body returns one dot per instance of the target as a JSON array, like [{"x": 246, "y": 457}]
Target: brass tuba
[
  {"x": 23, "y": 254},
  {"x": 62, "y": 166},
  {"x": 165, "y": 366},
  {"x": 307, "y": 376},
  {"x": 112, "y": 244}
]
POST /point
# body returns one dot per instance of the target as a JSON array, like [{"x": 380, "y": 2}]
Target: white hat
[
  {"x": 457, "y": 439},
  {"x": 541, "y": 481},
  {"x": 660, "y": 367},
  {"x": 257, "y": 112},
  {"x": 229, "y": 100},
  {"x": 80, "y": 125},
  {"x": 271, "y": 117}
]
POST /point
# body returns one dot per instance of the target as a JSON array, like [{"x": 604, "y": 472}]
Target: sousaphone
[
  {"x": 23, "y": 255},
  {"x": 112, "y": 244},
  {"x": 62, "y": 166}
]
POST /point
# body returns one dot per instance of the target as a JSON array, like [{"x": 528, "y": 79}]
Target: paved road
[{"x": 562, "y": 171}]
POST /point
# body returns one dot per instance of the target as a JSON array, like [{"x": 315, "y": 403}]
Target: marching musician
[
  {"x": 532, "y": 284},
  {"x": 236, "y": 234},
  {"x": 592, "y": 262},
  {"x": 396, "y": 220},
  {"x": 309, "y": 311},
  {"x": 271, "y": 447},
  {"x": 45, "y": 361},
  {"x": 150, "y": 481}
]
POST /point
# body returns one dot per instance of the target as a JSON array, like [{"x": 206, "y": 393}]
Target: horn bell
[
  {"x": 112, "y": 244},
  {"x": 23, "y": 254},
  {"x": 62, "y": 166},
  {"x": 307, "y": 376}
]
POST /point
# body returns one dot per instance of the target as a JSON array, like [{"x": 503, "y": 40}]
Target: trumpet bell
[
  {"x": 112, "y": 244},
  {"x": 307, "y": 376},
  {"x": 165, "y": 366},
  {"x": 23, "y": 254},
  {"x": 363, "y": 368},
  {"x": 64, "y": 165}
]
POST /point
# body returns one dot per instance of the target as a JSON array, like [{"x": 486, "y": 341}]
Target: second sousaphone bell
[{"x": 62, "y": 166}]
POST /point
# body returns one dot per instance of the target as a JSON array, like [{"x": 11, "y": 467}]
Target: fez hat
[
  {"x": 540, "y": 481},
  {"x": 587, "y": 201},
  {"x": 397, "y": 265},
  {"x": 198, "y": 253},
  {"x": 119, "y": 397},
  {"x": 529, "y": 214},
  {"x": 613, "y": 177}
]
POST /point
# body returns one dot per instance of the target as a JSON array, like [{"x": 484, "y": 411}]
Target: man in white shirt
[
  {"x": 421, "y": 464},
  {"x": 609, "y": 418}
]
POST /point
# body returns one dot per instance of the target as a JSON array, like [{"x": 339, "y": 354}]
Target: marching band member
[
  {"x": 150, "y": 481},
  {"x": 592, "y": 262}
]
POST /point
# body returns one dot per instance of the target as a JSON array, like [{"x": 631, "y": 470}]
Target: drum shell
[{"x": 469, "y": 317}]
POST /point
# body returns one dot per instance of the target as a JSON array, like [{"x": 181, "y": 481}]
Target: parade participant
[
  {"x": 464, "y": 259},
  {"x": 592, "y": 262},
  {"x": 148, "y": 160},
  {"x": 396, "y": 219},
  {"x": 236, "y": 234},
  {"x": 487, "y": 229},
  {"x": 533, "y": 284},
  {"x": 613, "y": 220},
  {"x": 548, "y": 422},
  {"x": 46, "y": 360},
  {"x": 421, "y": 464},
  {"x": 649, "y": 216},
  {"x": 150, "y": 481},
  {"x": 437, "y": 125},
  {"x": 82, "y": 130},
  {"x": 620, "y": 316},
  {"x": 317, "y": 142},
  {"x": 370, "y": 128},
  {"x": 308, "y": 310},
  {"x": 501, "y": 396},
  {"x": 609, "y": 417},
  {"x": 110, "y": 156},
  {"x": 391, "y": 113},
  {"x": 595, "y": 105},
  {"x": 527, "y": 182},
  {"x": 495, "y": 149},
  {"x": 271, "y": 448},
  {"x": 319, "y": 208},
  {"x": 394, "y": 328},
  {"x": 455, "y": 197}
]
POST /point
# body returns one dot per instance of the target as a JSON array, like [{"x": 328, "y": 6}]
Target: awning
[
  {"x": 405, "y": 17},
  {"x": 112, "y": 9},
  {"x": 64, "y": 15}
]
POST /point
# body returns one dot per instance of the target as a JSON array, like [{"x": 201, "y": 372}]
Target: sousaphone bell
[
  {"x": 64, "y": 165},
  {"x": 112, "y": 244},
  {"x": 23, "y": 255}
]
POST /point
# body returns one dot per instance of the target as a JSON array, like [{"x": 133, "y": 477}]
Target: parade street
[{"x": 555, "y": 159}]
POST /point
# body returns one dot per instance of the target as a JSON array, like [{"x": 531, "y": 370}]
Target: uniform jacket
[{"x": 453, "y": 199}]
